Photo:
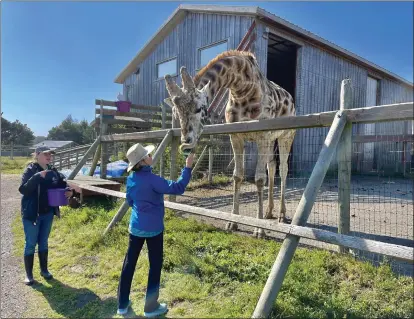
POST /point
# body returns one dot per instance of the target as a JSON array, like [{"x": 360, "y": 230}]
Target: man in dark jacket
[{"x": 37, "y": 215}]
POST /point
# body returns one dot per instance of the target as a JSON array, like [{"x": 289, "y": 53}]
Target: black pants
[{"x": 155, "y": 255}]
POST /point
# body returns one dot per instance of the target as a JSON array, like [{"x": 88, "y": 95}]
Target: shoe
[
  {"x": 162, "y": 309},
  {"x": 43, "y": 264},
  {"x": 28, "y": 265},
  {"x": 124, "y": 311}
]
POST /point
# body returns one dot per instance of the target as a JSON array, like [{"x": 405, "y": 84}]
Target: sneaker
[
  {"x": 162, "y": 309},
  {"x": 123, "y": 311}
]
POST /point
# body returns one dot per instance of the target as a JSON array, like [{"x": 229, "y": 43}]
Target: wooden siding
[
  {"x": 184, "y": 43},
  {"x": 318, "y": 81}
]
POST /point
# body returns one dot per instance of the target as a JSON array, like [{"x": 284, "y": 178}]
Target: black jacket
[{"x": 34, "y": 188}]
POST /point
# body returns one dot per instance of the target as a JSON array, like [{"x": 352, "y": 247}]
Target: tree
[
  {"x": 15, "y": 133},
  {"x": 72, "y": 130}
]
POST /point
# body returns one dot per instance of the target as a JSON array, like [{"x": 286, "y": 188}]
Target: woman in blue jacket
[
  {"x": 145, "y": 194},
  {"x": 37, "y": 215}
]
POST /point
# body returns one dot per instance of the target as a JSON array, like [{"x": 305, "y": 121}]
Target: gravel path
[{"x": 13, "y": 291}]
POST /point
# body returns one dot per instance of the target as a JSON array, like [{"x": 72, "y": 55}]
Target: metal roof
[
  {"x": 52, "y": 144},
  {"x": 261, "y": 14}
]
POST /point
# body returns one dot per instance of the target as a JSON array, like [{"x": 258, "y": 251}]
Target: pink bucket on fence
[
  {"x": 56, "y": 197},
  {"x": 123, "y": 106}
]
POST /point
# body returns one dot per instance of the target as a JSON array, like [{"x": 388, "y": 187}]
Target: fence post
[
  {"x": 104, "y": 146},
  {"x": 163, "y": 126},
  {"x": 88, "y": 153},
  {"x": 95, "y": 159},
  {"x": 210, "y": 161},
  {"x": 174, "y": 153},
  {"x": 344, "y": 165},
  {"x": 286, "y": 252}
]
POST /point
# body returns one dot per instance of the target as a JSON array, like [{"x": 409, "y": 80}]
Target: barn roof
[{"x": 271, "y": 19}]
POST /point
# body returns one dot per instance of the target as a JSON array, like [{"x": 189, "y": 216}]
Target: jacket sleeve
[
  {"x": 29, "y": 182},
  {"x": 128, "y": 194},
  {"x": 164, "y": 186}
]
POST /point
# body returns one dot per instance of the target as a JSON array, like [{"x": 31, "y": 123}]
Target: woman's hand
[
  {"x": 69, "y": 193},
  {"x": 189, "y": 160}
]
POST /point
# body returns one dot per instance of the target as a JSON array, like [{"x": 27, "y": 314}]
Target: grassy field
[
  {"x": 13, "y": 166},
  {"x": 207, "y": 273}
]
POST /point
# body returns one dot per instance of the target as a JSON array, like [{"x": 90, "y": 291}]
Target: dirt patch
[{"x": 13, "y": 291}]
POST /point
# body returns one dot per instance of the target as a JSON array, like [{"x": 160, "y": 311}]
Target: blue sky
[{"x": 57, "y": 57}]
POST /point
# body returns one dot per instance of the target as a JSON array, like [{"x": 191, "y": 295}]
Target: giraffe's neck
[{"x": 240, "y": 74}]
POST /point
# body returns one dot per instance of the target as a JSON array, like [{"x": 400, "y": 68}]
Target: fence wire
[{"x": 381, "y": 206}]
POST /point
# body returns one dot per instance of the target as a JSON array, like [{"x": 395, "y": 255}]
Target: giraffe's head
[{"x": 189, "y": 104}]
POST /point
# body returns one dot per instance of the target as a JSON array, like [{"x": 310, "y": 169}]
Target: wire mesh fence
[{"x": 381, "y": 191}]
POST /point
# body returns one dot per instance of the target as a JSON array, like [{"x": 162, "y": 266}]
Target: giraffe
[{"x": 251, "y": 97}]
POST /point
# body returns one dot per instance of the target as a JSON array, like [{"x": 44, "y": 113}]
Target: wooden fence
[
  {"x": 339, "y": 137},
  {"x": 70, "y": 156}
]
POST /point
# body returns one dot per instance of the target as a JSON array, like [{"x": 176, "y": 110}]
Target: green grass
[
  {"x": 207, "y": 273},
  {"x": 15, "y": 165}
]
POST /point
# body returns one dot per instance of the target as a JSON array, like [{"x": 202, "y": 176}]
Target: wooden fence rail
[{"x": 340, "y": 133}]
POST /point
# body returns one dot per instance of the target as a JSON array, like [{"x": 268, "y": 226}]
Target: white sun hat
[{"x": 136, "y": 153}]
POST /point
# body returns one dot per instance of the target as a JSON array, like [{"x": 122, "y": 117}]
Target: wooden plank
[
  {"x": 288, "y": 248},
  {"x": 118, "y": 216},
  {"x": 396, "y": 251},
  {"x": 392, "y": 112},
  {"x": 133, "y": 106},
  {"x": 344, "y": 166},
  {"x": 84, "y": 158},
  {"x": 133, "y": 114},
  {"x": 95, "y": 160},
  {"x": 161, "y": 148},
  {"x": 70, "y": 150},
  {"x": 382, "y": 138},
  {"x": 392, "y": 250},
  {"x": 173, "y": 155}
]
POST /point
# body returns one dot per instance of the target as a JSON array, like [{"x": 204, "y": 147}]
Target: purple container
[
  {"x": 56, "y": 197},
  {"x": 123, "y": 106}
]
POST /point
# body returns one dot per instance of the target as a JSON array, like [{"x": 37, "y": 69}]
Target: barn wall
[
  {"x": 392, "y": 157},
  {"x": 319, "y": 75},
  {"x": 183, "y": 42}
]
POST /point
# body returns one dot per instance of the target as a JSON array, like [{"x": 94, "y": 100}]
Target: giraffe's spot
[
  {"x": 254, "y": 112},
  {"x": 283, "y": 111},
  {"x": 217, "y": 67},
  {"x": 239, "y": 65},
  {"x": 279, "y": 98},
  {"x": 210, "y": 75},
  {"x": 286, "y": 102},
  {"x": 227, "y": 62}
]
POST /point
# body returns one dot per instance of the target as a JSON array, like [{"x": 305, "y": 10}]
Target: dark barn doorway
[{"x": 281, "y": 69}]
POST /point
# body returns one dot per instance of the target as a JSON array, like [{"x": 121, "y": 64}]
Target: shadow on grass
[{"x": 78, "y": 302}]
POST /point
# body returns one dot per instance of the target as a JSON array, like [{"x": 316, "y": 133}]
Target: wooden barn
[{"x": 308, "y": 66}]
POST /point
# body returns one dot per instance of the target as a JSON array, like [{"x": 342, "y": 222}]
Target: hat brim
[
  {"x": 149, "y": 149},
  {"x": 48, "y": 151}
]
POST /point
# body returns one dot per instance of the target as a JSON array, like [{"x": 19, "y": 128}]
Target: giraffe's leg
[
  {"x": 271, "y": 167},
  {"x": 238, "y": 152},
  {"x": 285, "y": 144},
  {"x": 262, "y": 158}
]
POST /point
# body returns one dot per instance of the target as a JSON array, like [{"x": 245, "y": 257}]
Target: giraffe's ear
[
  {"x": 206, "y": 87},
  {"x": 169, "y": 102}
]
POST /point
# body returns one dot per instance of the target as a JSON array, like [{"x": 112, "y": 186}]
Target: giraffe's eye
[{"x": 198, "y": 110}]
